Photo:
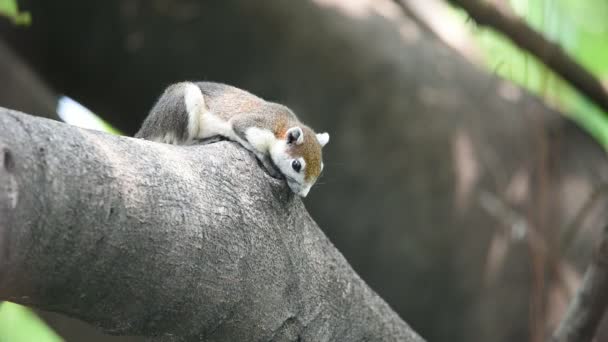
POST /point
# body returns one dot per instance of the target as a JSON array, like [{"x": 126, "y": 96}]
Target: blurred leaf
[
  {"x": 20, "y": 324},
  {"x": 74, "y": 113},
  {"x": 9, "y": 8}
]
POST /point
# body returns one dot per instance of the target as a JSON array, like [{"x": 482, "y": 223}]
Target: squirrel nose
[{"x": 304, "y": 191}]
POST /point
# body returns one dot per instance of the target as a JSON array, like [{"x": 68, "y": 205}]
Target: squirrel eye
[{"x": 296, "y": 165}]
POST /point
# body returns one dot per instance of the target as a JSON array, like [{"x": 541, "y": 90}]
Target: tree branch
[
  {"x": 22, "y": 89},
  {"x": 590, "y": 301},
  {"x": 551, "y": 54},
  {"x": 181, "y": 242}
]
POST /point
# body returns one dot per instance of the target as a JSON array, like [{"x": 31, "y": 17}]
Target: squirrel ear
[
  {"x": 295, "y": 135},
  {"x": 323, "y": 138}
]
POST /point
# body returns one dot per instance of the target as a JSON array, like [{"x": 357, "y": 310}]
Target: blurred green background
[{"x": 581, "y": 28}]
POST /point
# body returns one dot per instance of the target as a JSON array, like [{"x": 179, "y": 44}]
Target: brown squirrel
[{"x": 191, "y": 111}]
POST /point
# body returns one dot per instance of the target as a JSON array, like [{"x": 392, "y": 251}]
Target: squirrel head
[{"x": 298, "y": 155}]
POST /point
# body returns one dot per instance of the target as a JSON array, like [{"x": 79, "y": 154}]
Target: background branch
[
  {"x": 180, "y": 242},
  {"x": 551, "y": 54},
  {"x": 22, "y": 89},
  {"x": 589, "y": 304}
]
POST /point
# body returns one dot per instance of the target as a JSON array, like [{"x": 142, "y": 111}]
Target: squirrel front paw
[
  {"x": 271, "y": 169},
  {"x": 210, "y": 140}
]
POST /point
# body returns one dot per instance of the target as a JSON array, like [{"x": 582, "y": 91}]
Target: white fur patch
[
  {"x": 305, "y": 190},
  {"x": 260, "y": 139},
  {"x": 195, "y": 105},
  {"x": 168, "y": 138},
  {"x": 323, "y": 138},
  {"x": 282, "y": 159},
  {"x": 212, "y": 124}
]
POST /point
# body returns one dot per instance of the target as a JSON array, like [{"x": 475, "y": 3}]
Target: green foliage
[
  {"x": 9, "y": 8},
  {"x": 581, "y": 28},
  {"x": 110, "y": 129},
  {"x": 19, "y": 324}
]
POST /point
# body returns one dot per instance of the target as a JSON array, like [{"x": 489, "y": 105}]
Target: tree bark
[{"x": 178, "y": 242}]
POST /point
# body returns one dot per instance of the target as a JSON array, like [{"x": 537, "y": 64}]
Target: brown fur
[
  {"x": 311, "y": 151},
  {"x": 227, "y": 101}
]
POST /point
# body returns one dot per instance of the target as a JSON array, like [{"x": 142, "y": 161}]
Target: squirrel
[{"x": 188, "y": 112}]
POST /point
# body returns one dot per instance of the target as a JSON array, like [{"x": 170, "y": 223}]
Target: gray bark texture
[{"x": 181, "y": 242}]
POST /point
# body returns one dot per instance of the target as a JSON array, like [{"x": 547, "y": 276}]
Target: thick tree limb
[
  {"x": 185, "y": 242},
  {"x": 22, "y": 89},
  {"x": 590, "y": 302},
  {"x": 546, "y": 51}
]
